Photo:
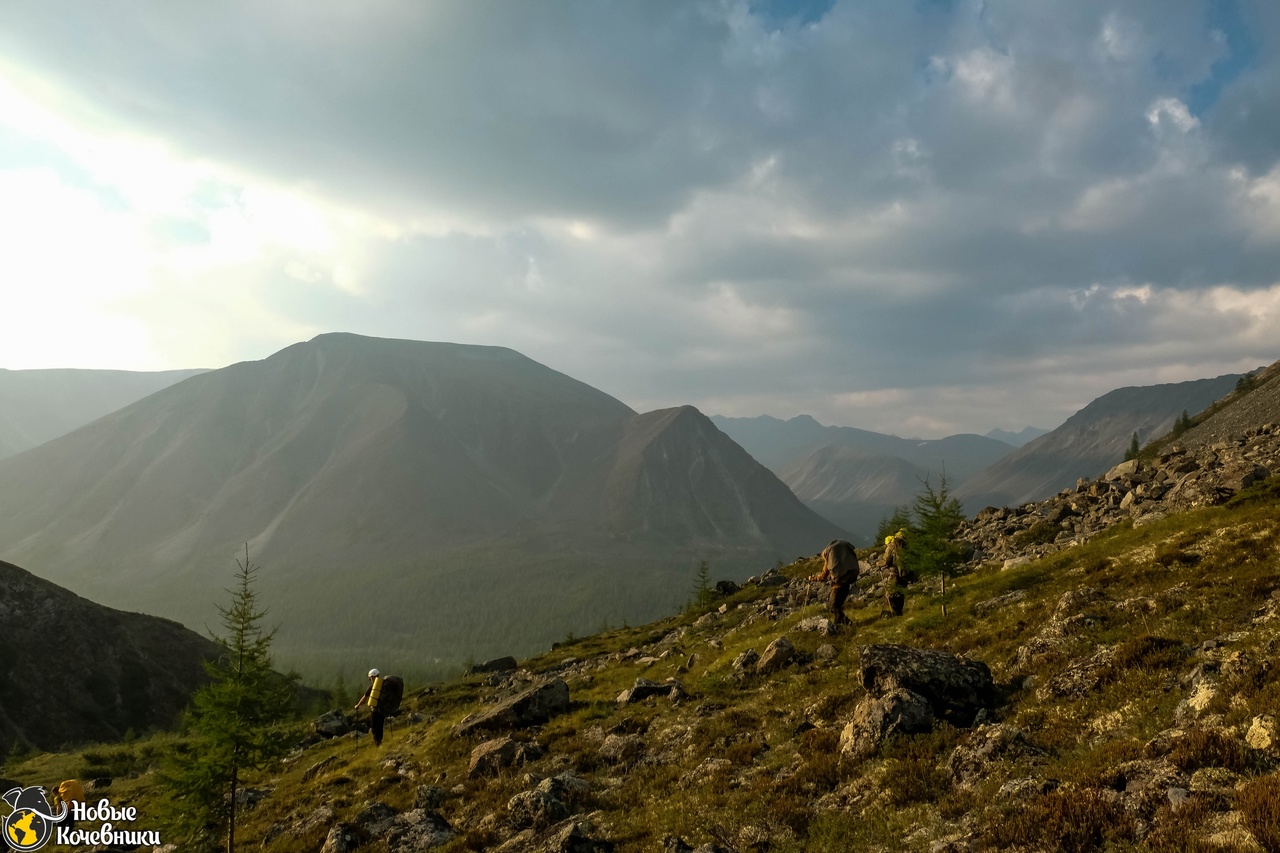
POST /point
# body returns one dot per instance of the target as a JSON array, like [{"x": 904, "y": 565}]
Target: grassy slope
[{"x": 775, "y": 784}]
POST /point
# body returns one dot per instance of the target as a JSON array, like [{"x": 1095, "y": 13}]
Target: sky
[{"x": 919, "y": 217}]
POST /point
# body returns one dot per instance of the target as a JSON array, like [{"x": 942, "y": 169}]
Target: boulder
[
  {"x": 419, "y": 829},
  {"x": 818, "y": 624},
  {"x": 342, "y": 838},
  {"x": 955, "y": 688},
  {"x": 503, "y": 664},
  {"x": 897, "y": 712},
  {"x": 971, "y": 760},
  {"x": 573, "y": 837},
  {"x": 536, "y": 809},
  {"x": 776, "y": 656},
  {"x": 490, "y": 757},
  {"x": 530, "y": 707},
  {"x": 332, "y": 724},
  {"x": 644, "y": 688},
  {"x": 746, "y": 660},
  {"x": 621, "y": 749}
]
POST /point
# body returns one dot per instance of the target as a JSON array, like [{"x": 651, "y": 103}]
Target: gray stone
[
  {"x": 955, "y": 688},
  {"x": 776, "y": 656},
  {"x": 536, "y": 809},
  {"x": 330, "y": 725},
  {"x": 897, "y": 712},
  {"x": 492, "y": 756},
  {"x": 972, "y": 758},
  {"x": 621, "y": 749},
  {"x": 416, "y": 830},
  {"x": 746, "y": 660},
  {"x": 342, "y": 838},
  {"x": 503, "y": 664},
  {"x": 530, "y": 707}
]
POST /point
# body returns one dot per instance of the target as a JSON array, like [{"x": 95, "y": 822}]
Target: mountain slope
[
  {"x": 73, "y": 671},
  {"x": 855, "y": 477},
  {"x": 452, "y": 486},
  {"x": 1089, "y": 442},
  {"x": 39, "y": 405}
]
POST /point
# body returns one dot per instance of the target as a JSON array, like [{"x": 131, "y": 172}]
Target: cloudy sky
[{"x": 915, "y": 216}]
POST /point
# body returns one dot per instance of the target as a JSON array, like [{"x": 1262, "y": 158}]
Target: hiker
[
  {"x": 840, "y": 568},
  {"x": 383, "y": 698},
  {"x": 894, "y": 575},
  {"x": 68, "y": 793}
]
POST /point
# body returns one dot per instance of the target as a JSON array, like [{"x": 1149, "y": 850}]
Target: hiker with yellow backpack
[
  {"x": 383, "y": 698},
  {"x": 894, "y": 575}
]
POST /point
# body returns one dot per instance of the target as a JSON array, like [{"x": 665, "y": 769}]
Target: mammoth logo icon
[{"x": 30, "y": 825}]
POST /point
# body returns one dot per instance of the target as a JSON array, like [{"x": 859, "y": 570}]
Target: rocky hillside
[
  {"x": 1116, "y": 695},
  {"x": 1233, "y": 446},
  {"x": 72, "y": 671},
  {"x": 1089, "y": 442},
  {"x": 39, "y": 405},
  {"x": 399, "y": 495}
]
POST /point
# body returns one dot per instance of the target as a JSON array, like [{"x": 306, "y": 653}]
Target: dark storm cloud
[{"x": 784, "y": 205}]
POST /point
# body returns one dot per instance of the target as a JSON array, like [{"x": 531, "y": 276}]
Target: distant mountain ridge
[
  {"x": 855, "y": 477},
  {"x": 39, "y": 405},
  {"x": 72, "y": 671},
  {"x": 1089, "y": 442},
  {"x": 398, "y": 493},
  {"x": 1019, "y": 438}
]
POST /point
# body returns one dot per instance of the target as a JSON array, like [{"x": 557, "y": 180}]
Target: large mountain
[
  {"x": 1089, "y": 442},
  {"x": 73, "y": 671},
  {"x": 457, "y": 500},
  {"x": 39, "y": 405},
  {"x": 855, "y": 477}
]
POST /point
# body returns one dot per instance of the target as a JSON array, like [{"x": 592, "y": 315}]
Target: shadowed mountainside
[
  {"x": 398, "y": 494},
  {"x": 1089, "y": 442},
  {"x": 73, "y": 671}
]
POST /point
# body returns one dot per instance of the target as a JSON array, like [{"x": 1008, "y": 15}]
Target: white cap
[{"x": 373, "y": 673}]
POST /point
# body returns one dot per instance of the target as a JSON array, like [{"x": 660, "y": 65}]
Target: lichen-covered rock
[
  {"x": 779, "y": 653},
  {"x": 955, "y": 688},
  {"x": 897, "y": 712},
  {"x": 537, "y": 809},
  {"x": 973, "y": 757},
  {"x": 532, "y": 706},
  {"x": 331, "y": 724},
  {"x": 492, "y": 756}
]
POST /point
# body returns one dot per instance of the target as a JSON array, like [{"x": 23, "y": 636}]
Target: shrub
[
  {"x": 1149, "y": 652},
  {"x": 1066, "y": 821},
  {"x": 1201, "y": 747},
  {"x": 1259, "y": 802}
]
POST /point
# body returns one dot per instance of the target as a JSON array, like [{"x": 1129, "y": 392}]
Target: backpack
[{"x": 392, "y": 693}]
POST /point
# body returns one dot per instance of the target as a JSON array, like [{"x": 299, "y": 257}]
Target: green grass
[{"x": 752, "y": 761}]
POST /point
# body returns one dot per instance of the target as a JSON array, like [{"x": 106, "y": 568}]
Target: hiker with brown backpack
[
  {"x": 383, "y": 698},
  {"x": 840, "y": 569}
]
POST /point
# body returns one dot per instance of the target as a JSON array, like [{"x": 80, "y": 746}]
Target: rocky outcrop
[
  {"x": 908, "y": 690},
  {"x": 530, "y": 707},
  {"x": 503, "y": 664},
  {"x": 1140, "y": 491},
  {"x": 956, "y": 689}
]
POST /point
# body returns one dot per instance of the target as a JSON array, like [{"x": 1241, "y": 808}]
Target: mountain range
[
  {"x": 1089, "y": 442},
  {"x": 39, "y": 405},
  {"x": 855, "y": 477},
  {"x": 462, "y": 500}
]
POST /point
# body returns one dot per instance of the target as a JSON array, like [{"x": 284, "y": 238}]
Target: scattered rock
[
  {"x": 776, "y": 656},
  {"x": 536, "y": 809}
]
